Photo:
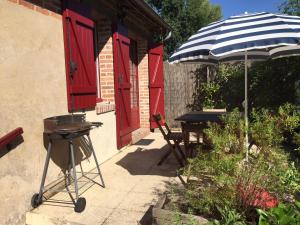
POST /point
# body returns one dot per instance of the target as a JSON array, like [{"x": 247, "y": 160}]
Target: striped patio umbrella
[{"x": 258, "y": 36}]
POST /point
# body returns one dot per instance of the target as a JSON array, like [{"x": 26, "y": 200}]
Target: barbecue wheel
[
  {"x": 80, "y": 205},
  {"x": 34, "y": 200}
]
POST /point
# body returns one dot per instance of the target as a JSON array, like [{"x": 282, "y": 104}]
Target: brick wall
[
  {"x": 143, "y": 83},
  {"x": 46, "y": 7},
  {"x": 106, "y": 70}
]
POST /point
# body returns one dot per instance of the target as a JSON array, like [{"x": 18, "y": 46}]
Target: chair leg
[
  {"x": 180, "y": 151},
  {"x": 180, "y": 178},
  {"x": 186, "y": 140},
  {"x": 165, "y": 156},
  {"x": 176, "y": 155}
]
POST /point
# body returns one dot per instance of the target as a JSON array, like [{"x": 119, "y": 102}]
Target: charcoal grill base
[{"x": 79, "y": 203}]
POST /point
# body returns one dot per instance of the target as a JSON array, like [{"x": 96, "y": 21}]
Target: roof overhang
[
  {"x": 139, "y": 16},
  {"x": 152, "y": 14}
]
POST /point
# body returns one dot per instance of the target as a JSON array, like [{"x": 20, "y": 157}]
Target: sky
[{"x": 237, "y": 7}]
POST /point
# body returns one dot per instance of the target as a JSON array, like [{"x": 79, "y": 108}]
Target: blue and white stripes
[{"x": 262, "y": 35}]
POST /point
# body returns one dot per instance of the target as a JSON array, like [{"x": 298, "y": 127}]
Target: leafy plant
[
  {"x": 264, "y": 130},
  {"x": 230, "y": 137},
  {"x": 283, "y": 214},
  {"x": 206, "y": 92},
  {"x": 291, "y": 179},
  {"x": 288, "y": 117},
  {"x": 229, "y": 217},
  {"x": 209, "y": 91}
]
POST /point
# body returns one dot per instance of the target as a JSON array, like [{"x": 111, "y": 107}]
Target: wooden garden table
[{"x": 196, "y": 121}]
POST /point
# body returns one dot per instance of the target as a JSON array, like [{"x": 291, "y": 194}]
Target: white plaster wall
[
  {"x": 31, "y": 67},
  {"x": 103, "y": 138},
  {"x": 33, "y": 87}
]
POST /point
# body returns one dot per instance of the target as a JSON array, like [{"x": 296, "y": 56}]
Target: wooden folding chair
[{"x": 175, "y": 137}]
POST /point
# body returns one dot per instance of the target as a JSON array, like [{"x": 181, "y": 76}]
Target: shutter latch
[
  {"x": 121, "y": 79},
  {"x": 73, "y": 67}
]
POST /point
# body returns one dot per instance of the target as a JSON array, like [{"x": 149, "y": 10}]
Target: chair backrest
[{"x": 160, "y": 121}]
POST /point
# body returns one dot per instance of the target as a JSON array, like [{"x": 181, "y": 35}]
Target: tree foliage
[
  {"x": 291, "y": 7},
  {"x": 271, "y": 84},
  {"x": 275, "y": 82},
  {"x": 185, "y": 17}
]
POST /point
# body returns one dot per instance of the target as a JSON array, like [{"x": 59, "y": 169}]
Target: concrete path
[{"x": 133, "y": 185}]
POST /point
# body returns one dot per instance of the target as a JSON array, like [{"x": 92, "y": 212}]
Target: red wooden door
[
  {"x": 80, "y": 60},
  {"x": 156, "y": 82},
  {"x": 121, "y": 44}
]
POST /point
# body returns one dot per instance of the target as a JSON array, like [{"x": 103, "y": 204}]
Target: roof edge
[{"x": 157, "y": 18}]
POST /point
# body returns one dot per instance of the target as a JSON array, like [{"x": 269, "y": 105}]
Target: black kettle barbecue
[{"x": 67, "y": 127}]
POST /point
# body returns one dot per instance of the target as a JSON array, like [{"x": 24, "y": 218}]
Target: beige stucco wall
[{"x": 33, "y": 87}]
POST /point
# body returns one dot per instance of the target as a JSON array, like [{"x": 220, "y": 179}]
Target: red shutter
[
  {"x": 156, "y": 82},
  {"x": 121, "y": 44},
  {"x": 80, "y": 61}
]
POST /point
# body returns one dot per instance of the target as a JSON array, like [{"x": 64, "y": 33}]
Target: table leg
[{"x": 186, "y": 139}]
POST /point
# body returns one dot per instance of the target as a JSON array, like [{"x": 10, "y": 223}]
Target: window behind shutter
[
  {"x": 80, "y": 61},
  {"x": 156, "y": 82},
  {"x": 134, "y": 90}
]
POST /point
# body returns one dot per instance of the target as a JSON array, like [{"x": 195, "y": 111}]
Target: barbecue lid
[{"x": 68, "y": 124}]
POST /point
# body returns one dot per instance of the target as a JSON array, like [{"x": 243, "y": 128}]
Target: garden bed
[{"x": 229, "y": 188}]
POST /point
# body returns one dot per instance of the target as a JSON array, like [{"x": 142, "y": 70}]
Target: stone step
[{"x": 38, "y": 219}]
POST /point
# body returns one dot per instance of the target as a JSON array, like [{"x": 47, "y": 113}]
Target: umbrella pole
[{"x": 246, "y": 105}]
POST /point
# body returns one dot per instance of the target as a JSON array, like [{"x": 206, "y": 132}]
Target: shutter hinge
[{"x": 121, "y": 79}]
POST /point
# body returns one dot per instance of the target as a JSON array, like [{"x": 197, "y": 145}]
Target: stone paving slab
[{"x": 133, "y": 181}]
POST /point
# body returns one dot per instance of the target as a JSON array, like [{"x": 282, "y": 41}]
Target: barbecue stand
[{"x": 68, "y": 127}]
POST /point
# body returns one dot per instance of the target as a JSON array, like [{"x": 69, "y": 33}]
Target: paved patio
[{"x": 133, "y": 185}]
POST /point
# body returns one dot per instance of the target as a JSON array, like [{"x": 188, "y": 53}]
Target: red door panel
[
  {"x": 121, "y": 44},
  {"x": 156, "y": 82},
  {"x": 80, "y": 61}
]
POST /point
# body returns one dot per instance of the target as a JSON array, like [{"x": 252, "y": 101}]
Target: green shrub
[
  {"x": 290, "y": 179},
  {"x": 229, "y": 217},
  {"x": 230, "y": 137},
  {"x": 283, "y": 214},
  {"x": 288, "y": 118},
  {"x": 264, "y": 130},
  {"x": 223, "y": 180}
]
